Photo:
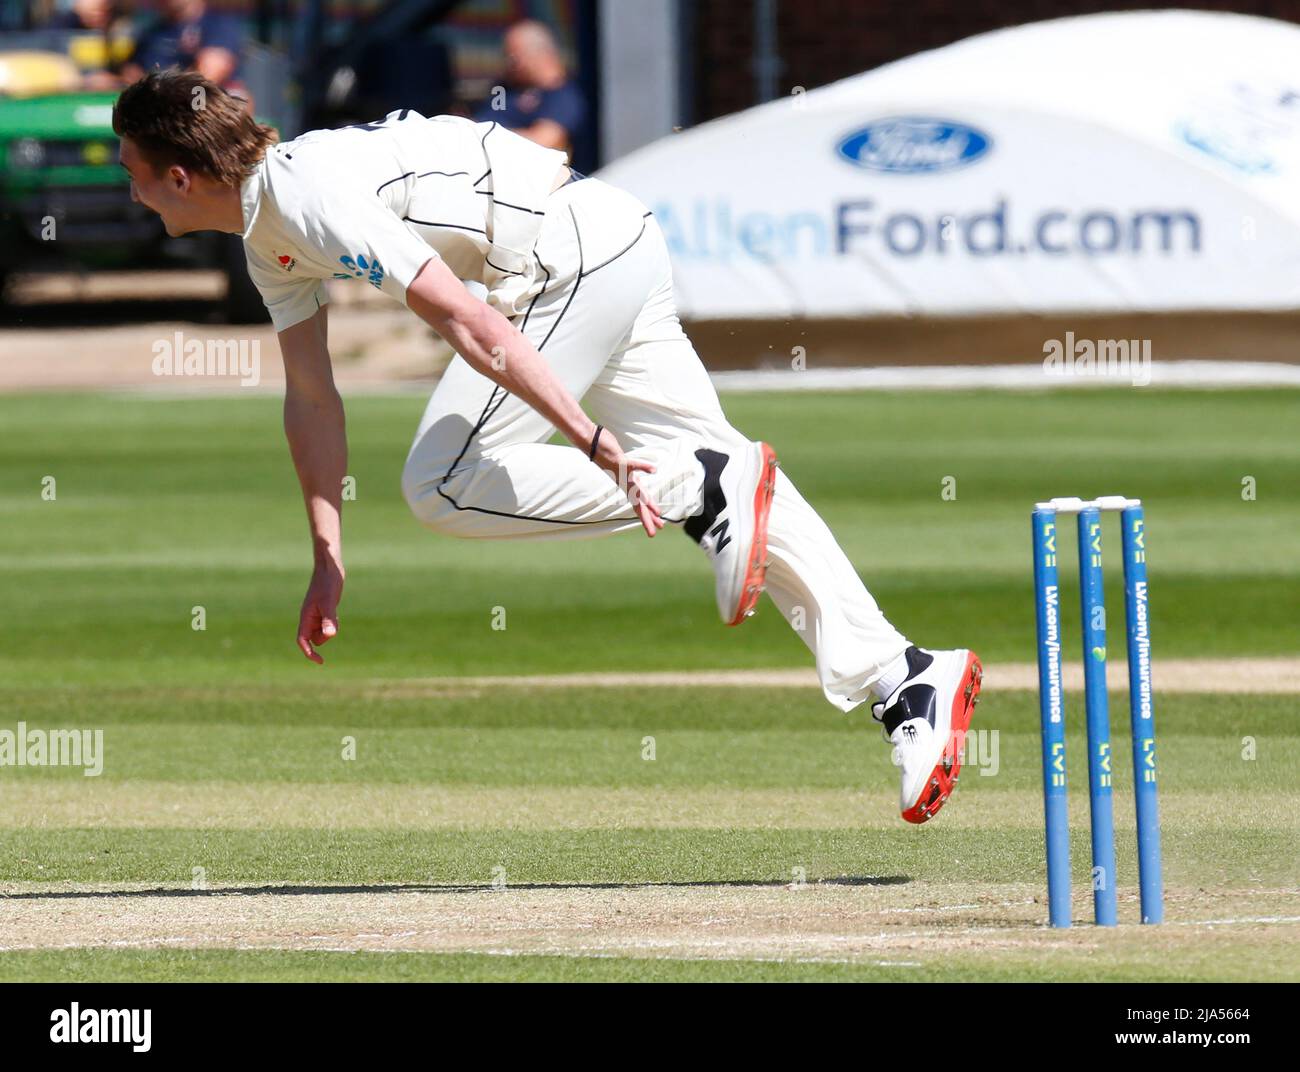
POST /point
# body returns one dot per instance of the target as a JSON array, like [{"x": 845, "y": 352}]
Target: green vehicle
[{"x": 65, "y": 202}]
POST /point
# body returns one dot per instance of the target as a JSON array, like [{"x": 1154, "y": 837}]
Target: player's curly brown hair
[{"x": 179, "y": 117}]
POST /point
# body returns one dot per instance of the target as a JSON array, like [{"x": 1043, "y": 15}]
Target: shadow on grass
[{"x": 304, "y": 891}]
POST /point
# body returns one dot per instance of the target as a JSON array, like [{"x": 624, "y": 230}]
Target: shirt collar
[{"x": 250, "y": 196}]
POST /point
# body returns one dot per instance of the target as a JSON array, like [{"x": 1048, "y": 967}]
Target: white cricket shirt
[{"x": 376, "y": 201}]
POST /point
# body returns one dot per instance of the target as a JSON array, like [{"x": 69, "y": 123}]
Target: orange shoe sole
[
  {"x": 943, "y": 779},
  {"x": 756, "y": 568}
]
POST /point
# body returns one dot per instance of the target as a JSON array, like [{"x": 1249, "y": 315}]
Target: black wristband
[{"x": 595, "y": 440}]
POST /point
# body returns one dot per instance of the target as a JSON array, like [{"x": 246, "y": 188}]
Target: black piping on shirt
[{"x": 490, "y": 409}]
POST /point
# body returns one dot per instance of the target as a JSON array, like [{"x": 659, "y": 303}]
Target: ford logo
[{"x": 913, "y": 145}]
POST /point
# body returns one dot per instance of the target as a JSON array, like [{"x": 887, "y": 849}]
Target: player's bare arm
[
  {"x": 314, "y": 425},
  {"x": 498, "y": 350}
]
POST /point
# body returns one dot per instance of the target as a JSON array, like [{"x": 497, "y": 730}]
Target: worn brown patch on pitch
[{"x": 823, "y": 921}]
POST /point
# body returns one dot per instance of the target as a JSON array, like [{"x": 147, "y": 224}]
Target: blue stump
[
  {"x": 1142, "y": 713},
  {"x": 1092, "y": 602},
  {"x": 1051, "y": 701}
]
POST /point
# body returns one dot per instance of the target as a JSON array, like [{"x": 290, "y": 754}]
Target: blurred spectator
[
  {"x": 99, "y": 58},
  {"x": 85, "y": 15},
  {"x": 539, "y": 102},
  {"x": 193, "y": 38}
]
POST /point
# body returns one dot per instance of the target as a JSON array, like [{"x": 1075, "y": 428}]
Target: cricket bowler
[{"x": 577, "y": 331}]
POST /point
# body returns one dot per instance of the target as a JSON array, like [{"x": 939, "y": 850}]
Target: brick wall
[{"x": 821, "y": 41}]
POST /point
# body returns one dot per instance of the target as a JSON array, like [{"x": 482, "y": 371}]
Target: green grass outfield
[
  {"x": 207, "y": 965},
  {"x": 223, "y": 746}
]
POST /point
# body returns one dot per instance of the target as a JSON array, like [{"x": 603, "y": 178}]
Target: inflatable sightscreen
[{"x": 1145, "y": 161}]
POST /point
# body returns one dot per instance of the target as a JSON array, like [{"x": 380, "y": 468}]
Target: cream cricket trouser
[{"x": 480, "y": 466}]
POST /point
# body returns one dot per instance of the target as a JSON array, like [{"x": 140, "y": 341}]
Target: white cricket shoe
[
  {"x": 926, "y": 719},
  {"x": 732, "y": 525}
]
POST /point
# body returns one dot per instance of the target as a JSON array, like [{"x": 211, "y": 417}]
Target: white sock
[
  {"x": 893, "y": 675},
  {"x": 821, "y": 595}
]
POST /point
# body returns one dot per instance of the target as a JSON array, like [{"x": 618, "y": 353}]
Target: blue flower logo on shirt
[{"x": 360, "y": 268}]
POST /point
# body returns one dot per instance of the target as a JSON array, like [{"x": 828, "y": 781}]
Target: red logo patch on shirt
[{"x": 286, "y": 262}]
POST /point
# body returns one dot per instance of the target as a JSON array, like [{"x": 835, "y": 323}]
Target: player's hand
[
  {"x": 627, "y": 474},
  {"x": 319, "y": 619}
]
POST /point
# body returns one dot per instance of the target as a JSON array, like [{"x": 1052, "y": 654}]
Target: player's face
[{"x": 165, "y": 192}]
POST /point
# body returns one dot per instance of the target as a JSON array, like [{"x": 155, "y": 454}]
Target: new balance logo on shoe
[{"x": 731, "y": 524}]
